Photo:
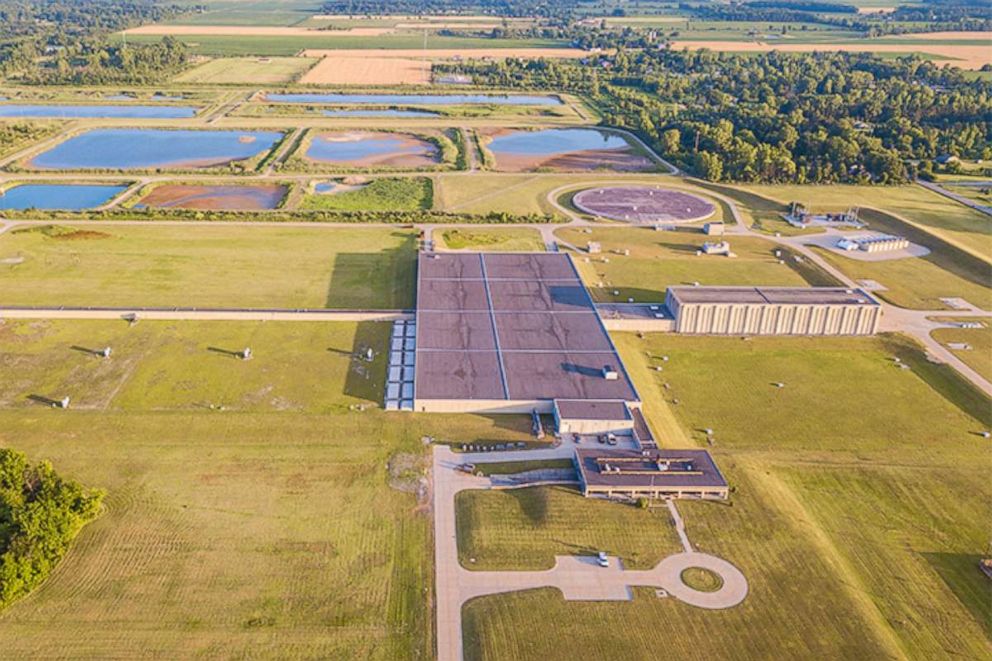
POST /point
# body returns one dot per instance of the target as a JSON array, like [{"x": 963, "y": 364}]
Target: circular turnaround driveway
[
  {"x": 732, "y": 592},
  {"x": 643, "y": 204}
]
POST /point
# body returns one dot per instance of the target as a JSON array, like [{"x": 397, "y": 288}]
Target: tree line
[
  {"x": 774, "y": 117},
  {"x": 66, "y": 42},
  {"x": 40, "y": 514}
]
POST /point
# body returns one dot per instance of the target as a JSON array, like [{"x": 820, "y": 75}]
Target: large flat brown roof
[{"x": 515, "y": 326}]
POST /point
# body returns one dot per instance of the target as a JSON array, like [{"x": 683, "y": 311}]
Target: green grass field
[
  {"x": 528, "y": 193},
  {"x": 979, "y": 357},
  {"x": 287, "y": 46},
  {"x": 247, "y": 12},
  {"x": 524, "y": 529},
  {"x": 660, "y": 259},
  {"x": 857, "y": 521},
  {"x": 917, "y": 282},
  {"x": 210, "y": 266},
  {"x": 951, "y": 269},
  {"x": 957, "y": 224},
  {"x": 247, "y": 71},
  {"x": 499, "y": 239},
  {"x": 267, "y": 529},
  {"x": 383, "y": 194}
]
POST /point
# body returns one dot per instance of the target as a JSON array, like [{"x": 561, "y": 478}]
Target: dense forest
[
  {"x": 64, "y": 41},
  {"x": 816, "y": 118},
  {"x": 40, "y": 514},
  {"x": 934, "y": 16}
]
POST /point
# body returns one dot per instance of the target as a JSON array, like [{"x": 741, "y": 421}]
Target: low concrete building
[
  {"x": 592, "y": 416},
  {"x": 713, "y": 229},
  {"x": 878, "y": 243},
  {"x": 649, "y": 473},
  {"x": 716, "y": 248},
  {"x": 773, "y": 311}
]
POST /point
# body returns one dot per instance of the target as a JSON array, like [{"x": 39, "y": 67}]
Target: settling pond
[
  {"x": 154, "y": 148},
  {"x": 367, "y": 149},
  {"x": 420, "y": 99},
  {"x": 565, "y": 149},
  {"x": 71, "y": 197},
  {"x": 97, "y": 111},
  {"x": 233, "y": 198}
]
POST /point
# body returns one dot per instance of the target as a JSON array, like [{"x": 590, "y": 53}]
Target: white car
[{"x": 603, "y": 559}]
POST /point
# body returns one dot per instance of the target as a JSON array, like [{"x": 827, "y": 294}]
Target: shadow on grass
[
  {"x": 962, "y": 575},
  {"x": 943, "y": 378},
  {"x": 533, "y": 503},
  {"x": 942, "y": 254},
  {"x": 366, "y": 379},
  {"x": 375, "y": 280}
]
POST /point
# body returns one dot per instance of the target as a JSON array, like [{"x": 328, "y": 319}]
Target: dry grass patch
[
  {"x": 247, "y": 70},
  {"x": 361, "y": 70}
]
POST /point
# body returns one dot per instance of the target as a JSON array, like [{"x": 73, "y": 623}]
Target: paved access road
[{"x": 579, "y": 578}]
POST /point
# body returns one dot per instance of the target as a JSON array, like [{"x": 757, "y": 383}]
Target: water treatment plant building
[
  {"x": 509, "y": 333},
  {"x": 773, "y": 311}
]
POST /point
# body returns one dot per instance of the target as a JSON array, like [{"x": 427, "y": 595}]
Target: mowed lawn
[
  {"x": 524, "y": 529},
  {"x": 979, "y": 355},
  {"x": 954, "y": 222},
  {"x": 918, "y": 282},
  {"x": 856, "y": 517},
  {"x": 253, "y": 530},
  {"x": 248, "y": 70},
  {"x": 951, "y": 269},
  {"x": 483, "y": 192},
  {"x": 658, "y": 260},
  {"x": 224, "y": 266}
]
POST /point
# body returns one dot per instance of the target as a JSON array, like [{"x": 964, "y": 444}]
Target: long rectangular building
[
  {"x": 509, "y": 333},
  {"x": 649, "y": 473},
  {"x": 773, "y": 311}
]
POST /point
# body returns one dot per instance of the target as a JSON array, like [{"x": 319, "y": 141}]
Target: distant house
[{"x": 946, "y": 159}]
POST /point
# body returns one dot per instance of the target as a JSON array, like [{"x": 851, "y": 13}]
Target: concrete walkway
[
  {"x": 201, "y": 314},
  {"x": 578, "y": 578}
]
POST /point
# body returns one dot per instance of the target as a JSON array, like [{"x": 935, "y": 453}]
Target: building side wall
[
  {"x": 776, "y": 319},
  {"x": 721, "y": 493},
  {"x": 483, "y": 406},
  {"x": 577, "y": 426}
]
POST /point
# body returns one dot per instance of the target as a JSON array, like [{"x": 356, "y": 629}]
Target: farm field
[
  {"x": 804, "y": 488},
  {"x": 509, "y": 239},
  {"x": 208, "y": 266},
  {"x": 963, "y": 55},
  {"x": 979, "y": 356},
  {"x": 282, "y": 45},
  {"x": 248, "y": 71},
  {"x": 357, "y": 70},
  {"x": 268, "y": 527},
  {"x": 660, "y": 259}
]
